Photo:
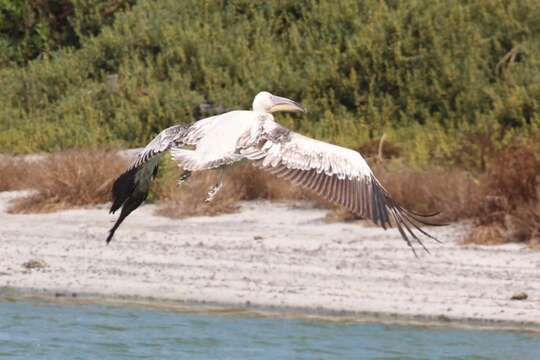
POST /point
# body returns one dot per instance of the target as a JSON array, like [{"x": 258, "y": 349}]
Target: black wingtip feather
[
  {"x": 406, "y": 221},
  {"x": 413, "y": 235},
  {"x": 421, "y": 219},
  {"x": 403, "y": 234},
  {"x": 427, "y": 215},
  {"x": 417, "y": 223}
]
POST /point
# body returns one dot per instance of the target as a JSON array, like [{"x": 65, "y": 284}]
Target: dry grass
[
  {"x": 521, "y": 225},
  {"x": 188, "y": 199},
  {"x": 450, "y": 192},
  {"x": 242, "y": 183},
  {"x": 486, "y": 235},
  {"x": 509, "y": 210},
  {"x": 503, "y": 203},
  {"x": 14, "y": 173},
  {"x": 454, "y": 193},
  {"x": 69, "y": 179},
  {"x": 513, "y": 175}
]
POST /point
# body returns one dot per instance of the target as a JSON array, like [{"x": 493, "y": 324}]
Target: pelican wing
[
  {"x": 161, "y": 143},
  {"x": 336, "y": 173},
  {"x": 177, "y": 135}
]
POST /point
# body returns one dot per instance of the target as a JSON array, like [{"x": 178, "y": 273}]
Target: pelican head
[{"x": 268, "y": 103}]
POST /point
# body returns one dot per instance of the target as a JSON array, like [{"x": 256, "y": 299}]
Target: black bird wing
[{"x": 131, "y": 188}]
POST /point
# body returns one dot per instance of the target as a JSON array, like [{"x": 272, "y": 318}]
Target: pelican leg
[
  {"x": 212, "y": 192},
  {"x": 183, "y": 177}
]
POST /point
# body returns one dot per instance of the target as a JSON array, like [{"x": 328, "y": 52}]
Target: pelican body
[{"x": 338, "y": 174}]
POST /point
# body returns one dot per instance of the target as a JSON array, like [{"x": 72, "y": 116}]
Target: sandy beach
[{"x": 269, "y": 256}]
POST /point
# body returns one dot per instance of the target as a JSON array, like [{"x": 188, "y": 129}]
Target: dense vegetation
[
  {"x": 31, "y": 28},
  {"x": 448, "y": 81}
]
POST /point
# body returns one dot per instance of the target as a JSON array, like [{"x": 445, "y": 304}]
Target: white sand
[{"x": 269, "y": 255}]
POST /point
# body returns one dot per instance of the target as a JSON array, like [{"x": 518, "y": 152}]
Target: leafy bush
[
  {"x": 433, "y": 75},
  {"x": 32, "y": 28}
]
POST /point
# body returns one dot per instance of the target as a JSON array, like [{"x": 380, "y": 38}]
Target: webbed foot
[
  {"x": 212, "y": 192},
  {"x": 183, "y": 177}
]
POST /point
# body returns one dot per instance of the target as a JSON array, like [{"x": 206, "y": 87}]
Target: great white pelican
[{"x": 336, "y": 173}]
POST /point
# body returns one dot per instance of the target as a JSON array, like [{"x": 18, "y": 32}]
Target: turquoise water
[{"x": 43, "y": 331}]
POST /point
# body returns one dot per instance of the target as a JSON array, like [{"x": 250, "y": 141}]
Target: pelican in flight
[{"x": 336, "y": 173}]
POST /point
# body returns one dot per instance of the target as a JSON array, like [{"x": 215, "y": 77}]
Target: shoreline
[
  {"x": 57, "y": 297},
  {"x": 269, "y": 258}
]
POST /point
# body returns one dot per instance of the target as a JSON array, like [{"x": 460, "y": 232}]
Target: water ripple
[{"x": 42, "y": 331}]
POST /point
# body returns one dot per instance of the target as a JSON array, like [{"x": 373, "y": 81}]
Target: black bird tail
[
  {"x": 130, "y": 190},
  {"x": 133, "y": 202},
  {"x": 116, "y": 225},
  {"x": 122, "y": 188}
]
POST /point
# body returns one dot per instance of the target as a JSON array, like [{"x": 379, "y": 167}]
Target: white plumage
[
  {"x": 215, "y": 140},
  {"x": 339, "y": 174}
]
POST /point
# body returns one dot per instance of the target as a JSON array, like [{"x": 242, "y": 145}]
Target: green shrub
[
  {"x": 435, "y": 76},
  {"x": 31, "y": 28}
]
